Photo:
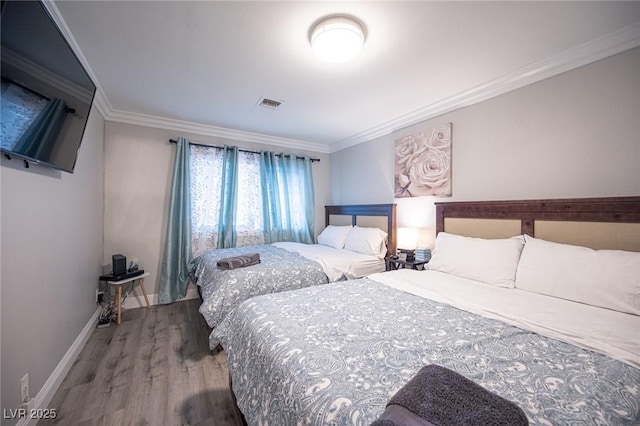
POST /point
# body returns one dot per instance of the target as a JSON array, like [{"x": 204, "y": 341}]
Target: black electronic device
[
  {"x": 118, "y": 265},
  {"x": 46, "y": 92}
]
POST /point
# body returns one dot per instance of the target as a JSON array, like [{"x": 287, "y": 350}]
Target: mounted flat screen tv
[{"x": 46, "y": 92}]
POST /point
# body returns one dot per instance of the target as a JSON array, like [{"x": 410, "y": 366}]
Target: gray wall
[
  {"x": 574, "y": 135},
  {"x": 138, "y": 171},
  {"x": 51, "y": 226}
]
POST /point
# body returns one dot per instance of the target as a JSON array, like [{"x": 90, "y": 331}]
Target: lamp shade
[
  {"x": 408, "y": 238},
  {"x": 337, "y": 39}
]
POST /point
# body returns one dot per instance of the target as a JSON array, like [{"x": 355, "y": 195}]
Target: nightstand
[
  {"x": 393, "y": 264},
  {"x": 140, "y": 280}
]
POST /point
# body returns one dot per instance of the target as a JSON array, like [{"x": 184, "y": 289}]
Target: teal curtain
[
  {"x": 174, "y": 274},
  {"x": 39, "y": 139},
  {"x": 271, "y": 211},
  {"x": 228, "y": 198},
  {"x": 287, "y": 198}
]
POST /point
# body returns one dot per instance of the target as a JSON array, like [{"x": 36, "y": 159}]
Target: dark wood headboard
[
  {"x": 355, "y": 210},
  {"x": 619, "y": 210}
]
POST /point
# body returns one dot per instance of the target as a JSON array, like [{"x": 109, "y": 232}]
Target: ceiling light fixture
[{"x": 337, "y": 39}]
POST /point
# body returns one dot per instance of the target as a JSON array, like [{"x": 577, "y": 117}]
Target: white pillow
[
  {"x": 334, "y": 236},
  {"x": 490, "y": 261},
  {"x": 604, "y": 278},
  {"x": 367, "y": 241}
]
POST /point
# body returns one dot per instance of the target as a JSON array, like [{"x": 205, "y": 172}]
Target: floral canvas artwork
[{"x": 423, "y": 163}]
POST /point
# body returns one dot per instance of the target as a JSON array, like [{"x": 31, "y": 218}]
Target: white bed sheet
[
  {"x": 337, "y": 263},
  {"x": 609, "y": 332}
]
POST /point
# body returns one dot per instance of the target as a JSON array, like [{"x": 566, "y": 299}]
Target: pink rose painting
[{"x": 423, "y": 163}]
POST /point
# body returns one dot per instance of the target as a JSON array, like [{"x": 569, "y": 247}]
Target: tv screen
[{"x": 46, "y": 92}]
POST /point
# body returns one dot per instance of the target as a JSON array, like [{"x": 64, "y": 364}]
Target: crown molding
[
  {"x": 208, "y": 130},
  {"x": 616, "y": 42}
]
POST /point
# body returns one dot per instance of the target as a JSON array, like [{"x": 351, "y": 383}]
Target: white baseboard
[
  {"x": 48, "y": 390},
  {"x": 136, "y": 299}
]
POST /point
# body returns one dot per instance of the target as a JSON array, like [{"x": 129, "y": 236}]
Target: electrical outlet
[{"x": 24, "y": 388}]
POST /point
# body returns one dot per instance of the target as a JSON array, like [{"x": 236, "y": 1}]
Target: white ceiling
[{"x": 203, "y": 66}]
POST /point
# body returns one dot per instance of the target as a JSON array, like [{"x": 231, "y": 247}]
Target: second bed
[{"x": 353, "y": 245}]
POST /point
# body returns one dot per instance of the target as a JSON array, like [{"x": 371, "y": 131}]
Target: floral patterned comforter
[
  {"x": 335, "y": 354},
  {"x": 223, "y": 290}
]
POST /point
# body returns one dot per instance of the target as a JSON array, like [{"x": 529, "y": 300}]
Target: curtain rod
[{"x": 313, "y": 160}]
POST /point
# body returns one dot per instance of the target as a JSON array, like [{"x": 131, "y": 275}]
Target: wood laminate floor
[{"x": 155, "y": 368}]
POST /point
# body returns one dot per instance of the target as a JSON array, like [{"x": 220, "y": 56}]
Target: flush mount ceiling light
[{"x": 337, "y": 38}]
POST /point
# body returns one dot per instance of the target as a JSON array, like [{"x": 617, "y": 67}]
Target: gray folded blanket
[
  {"x": 239, "y": 261},
  {"x": 441, "y": 397}
]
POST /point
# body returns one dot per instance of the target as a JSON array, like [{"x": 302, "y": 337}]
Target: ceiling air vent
[{"x": 269, "y": 103}]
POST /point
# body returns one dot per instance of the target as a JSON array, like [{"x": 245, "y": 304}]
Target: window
[{"x": 287, "y": 211}]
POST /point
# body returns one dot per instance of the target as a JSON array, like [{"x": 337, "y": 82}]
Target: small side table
[
  {"x": 393, "y": 264},
  {"x": 140, "y": 279}
]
